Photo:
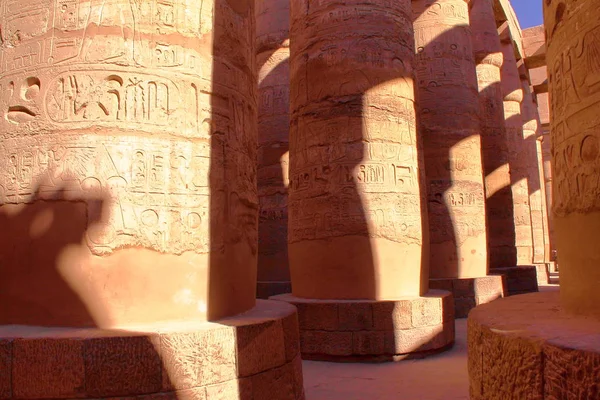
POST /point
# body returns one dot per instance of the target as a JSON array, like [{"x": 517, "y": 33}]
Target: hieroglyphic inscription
[
  {"x": 574, "y": 77},
  {"x": 158, "y": 192}
]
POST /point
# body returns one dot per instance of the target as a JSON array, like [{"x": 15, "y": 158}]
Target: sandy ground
[{"x": 443, "y": 376}]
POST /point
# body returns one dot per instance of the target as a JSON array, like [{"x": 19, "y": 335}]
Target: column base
[
  {"x": 542, "y": 273},
  {"x": 374, "y": 331},
  {"x": 237, "y": 358},
  {"x": 468, "y": 293},
  {"x": 520, "y": 279},
  {"x": 264, "y": 290},
  {"x": 530, "y": 342}
]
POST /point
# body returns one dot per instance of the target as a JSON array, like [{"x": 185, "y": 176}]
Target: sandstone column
[
  {"x": 513, "y": 96},
  {"x": 547, "y": 157},
  {"x": 572, "y": 30},
  {"x": 537, "y": 196},
  {"x": 272, "y": 35},
  {"x": 128, "y": 203},
  {"x": 448, "y": 110},
  {"x": 357, "y": 224},
  {"x": 496, "y": 167},
  {"x": 549, "y": 349},
  {"x": 529, "y": 155}
]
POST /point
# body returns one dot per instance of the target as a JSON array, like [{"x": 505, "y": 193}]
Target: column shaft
[
  {"x": 573, "y": 34},
  {"x": 272, "y": 32},
  {"x": 127, "y": 162},
  {"x": 496, "y": 167},
  {"x": 513, "y": 96},
  {"x": 530, "y": 157},
  {"x": 355, "y": 215},
  {"x": 448, "y": 108}
]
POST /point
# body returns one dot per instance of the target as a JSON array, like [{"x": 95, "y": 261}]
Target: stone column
[
  {"x": 448, "y": 110},
  {"x": 572, "y": 30},
  {"x": 513, "y": 97},
  {"x": 128, "y": 204},
  {"x": 273, "y": 53},
  {"x": 537, "y": 199},
  {"x": 549, "y": 349},
  {"x": 494, "y": 143},
  {"x": 547, "y": 157},
  {"x": 357, "y": 223}
]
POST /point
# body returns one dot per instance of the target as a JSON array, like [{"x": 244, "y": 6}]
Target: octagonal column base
[
  {"x": 237, "y": 358},
  {"x": 468, "y": 293},
  {"x": 374, "y": 331},
  {"x": 528, "y": 347}
]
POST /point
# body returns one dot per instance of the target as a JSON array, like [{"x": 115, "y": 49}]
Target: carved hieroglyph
[
  {"x": 448, "y": 107},
  {"x": 272, "y": 32},
  {"x": 573, "y": 35},
  {"x": 496, "y": 168},
  {"x": 513, "y": 96},
  {"x": 126, "y": 101},
  {"x": 355, "y": 228},
  {"x": 530, "y": 154}
]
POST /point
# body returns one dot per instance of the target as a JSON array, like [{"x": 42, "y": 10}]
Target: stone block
[
  {"x": 122, "y": 366},
  {"x": 180, "y": 353},
  {"x": 35, "y": 373},
  {"x": 291, "y": 336},
  {"x": 355, "y": 316},
  {"x": 448, "y": 312},
  {"x": 491, "y": 285},
  {"x": 6, "y": 346},
  {"x": 237, "y": 389},
  {"x": 318, "y": 316},
  {"x": 426, "y": 312},
  {"x": 217, "y": 360},
  {"x": 463, "y": 288},
  {"x": 324, "y": 342},
  {"x": 298, "y": 377},
  {"x": 413, "y": 340},
  {"x": 441, "y": 284},
  {"x": 260, "y": 347},
  {"x": 369, "y": 343},
  {"x": 571, "y": 373},
  {"x": 462, "y": 306},
  {"x": 392, "y": 315},
  {"x": 275, "y": 384}
]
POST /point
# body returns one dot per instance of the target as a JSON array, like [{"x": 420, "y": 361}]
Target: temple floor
[{"x": 443, "y": 376}]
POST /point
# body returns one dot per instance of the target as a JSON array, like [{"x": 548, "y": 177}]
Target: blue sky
[{"x": 529, "y": 12}]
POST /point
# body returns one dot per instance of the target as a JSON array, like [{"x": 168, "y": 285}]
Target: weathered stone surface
[
  {"x": 529, "y": 150},
  {"x": 355, "y": 204},
  {"x": 34, "y": 372},
  {"x": 376, "y": 330},
  {"x": 572, "y": 29},
  {"x": 138, "y": 119},
  {"x": 470, "y": 292},
  {"x": 494, "y": 142},
  {"x": 528, "y": 347},
  {"x": 168, "y": 361},
  {"x": 448, "y": 110},
  {"x": 519, "y": 174},
  {"x": 273, "y": 53},
  {"x": 6, "y": 366}
]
